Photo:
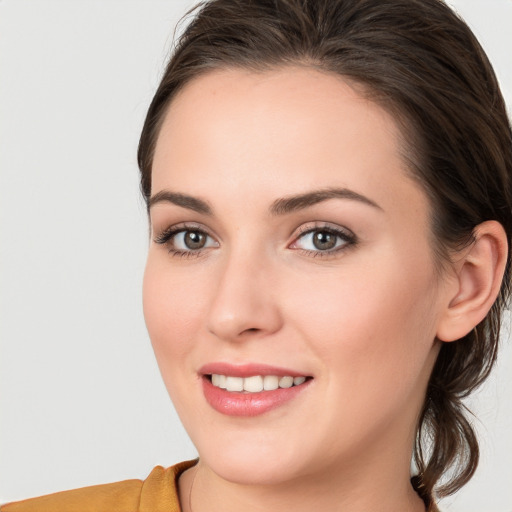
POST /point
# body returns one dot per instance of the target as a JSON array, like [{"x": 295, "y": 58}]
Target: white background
[{"x": 81, "y": 397}]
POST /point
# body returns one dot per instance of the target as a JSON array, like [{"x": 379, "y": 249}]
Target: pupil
[
  {"x": 194, "y": 240},
  {"x": 324, "y": 240}
]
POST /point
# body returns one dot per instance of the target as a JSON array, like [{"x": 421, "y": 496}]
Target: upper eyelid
[
  {"x": 319, "y": 225},
  {"x": 347, "y": 235},
  {"x": 182, "y": 226},
  {"x": 166, "y": 238},
  {"x": 303, "y": 229}
]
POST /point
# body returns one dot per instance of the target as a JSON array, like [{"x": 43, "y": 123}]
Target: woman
[{"x": 328, "y": 185}]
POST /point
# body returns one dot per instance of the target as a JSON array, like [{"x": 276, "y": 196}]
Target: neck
[{"x": 380, "y": 484}]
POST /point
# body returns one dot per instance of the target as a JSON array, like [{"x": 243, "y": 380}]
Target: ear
[{"x": 479, "y": 271}]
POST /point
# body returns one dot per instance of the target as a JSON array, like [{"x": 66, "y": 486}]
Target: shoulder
[
  {"x": 116, "y": 496},
  {"x": 158, "y": 492}
]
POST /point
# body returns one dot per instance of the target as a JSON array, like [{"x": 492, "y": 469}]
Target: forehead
[
  {"x": 291, "y": 103},
  {"x": 279, "y": 132}
]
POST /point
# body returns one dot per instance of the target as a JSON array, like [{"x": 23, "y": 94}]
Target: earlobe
[{"x": 479, "y": 274}]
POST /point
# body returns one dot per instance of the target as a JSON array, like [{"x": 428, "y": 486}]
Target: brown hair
[{"x": 419, "y": 60}]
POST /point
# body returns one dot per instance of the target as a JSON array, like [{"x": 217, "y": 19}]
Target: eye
[
  {"x": 186, "y": 241},
  {"x": 323, "y": 240},
  {"x": 191, "y": 240}
]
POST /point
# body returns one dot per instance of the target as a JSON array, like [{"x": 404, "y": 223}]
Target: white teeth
[
  {"x": 219, "y": 381},
  {"x": 222, "y": 381},
  {"x": 255, "y": 383},
  {"x": 270, "y": 382},
  {"x": 286, "y": 382},
  {"x": 234, "y": 383}
]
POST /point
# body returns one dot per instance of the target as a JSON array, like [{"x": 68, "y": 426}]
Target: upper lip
[{"x": 248, "y": 370}]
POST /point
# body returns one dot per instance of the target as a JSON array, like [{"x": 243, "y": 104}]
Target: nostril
[{"x": 249, "y": 332}]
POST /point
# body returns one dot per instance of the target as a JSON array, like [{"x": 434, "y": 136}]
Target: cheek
[
  {"x": 369, "y": 324},
  {"x": 173, "y": 305}
]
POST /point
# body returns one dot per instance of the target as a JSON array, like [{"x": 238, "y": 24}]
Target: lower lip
[{"x": 248, "y": 404}]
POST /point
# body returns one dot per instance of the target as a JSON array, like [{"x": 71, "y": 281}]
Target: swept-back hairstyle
[{"x": 420, "y": 61}]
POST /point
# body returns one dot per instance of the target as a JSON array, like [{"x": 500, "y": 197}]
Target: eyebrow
[
  {"x": 280, "y": 206},
  {"x": 183, "y": 200},
  {"x": 299, "y": 202}
]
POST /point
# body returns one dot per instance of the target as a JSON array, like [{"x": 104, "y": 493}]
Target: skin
[{"x": 362, "y": 321}]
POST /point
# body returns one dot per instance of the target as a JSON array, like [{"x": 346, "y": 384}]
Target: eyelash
[
  {"x": 348, "y": 238},
  {"x": 166, "y": 238}
]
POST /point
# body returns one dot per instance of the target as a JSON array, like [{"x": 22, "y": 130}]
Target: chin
[
  {"x": 252, "y": 471},
  {"x": 251, "y": 460}
]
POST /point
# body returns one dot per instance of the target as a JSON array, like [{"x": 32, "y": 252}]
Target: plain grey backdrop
[{"x": 81, "y": 400}]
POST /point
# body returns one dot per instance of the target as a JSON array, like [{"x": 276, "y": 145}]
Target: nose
[{"x": 245, "y": 303}]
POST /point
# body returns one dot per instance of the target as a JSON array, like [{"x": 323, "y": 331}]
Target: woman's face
[{"x": 288, "y": 241}]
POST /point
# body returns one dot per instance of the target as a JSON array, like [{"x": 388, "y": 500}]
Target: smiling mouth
[{"x": 255, "y": 383}]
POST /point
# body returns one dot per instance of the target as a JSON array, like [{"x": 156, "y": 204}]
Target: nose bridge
[{"x": 243, "y": 302}]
